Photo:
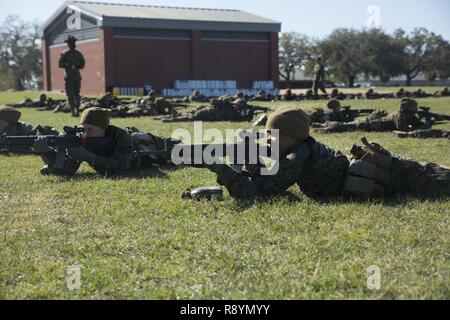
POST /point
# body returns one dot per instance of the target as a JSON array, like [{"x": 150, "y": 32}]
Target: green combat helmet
[
  {"x": 42, "y": 98},
  {"x": 152, "y": 94},
  {"x": 334, "y": 105}
]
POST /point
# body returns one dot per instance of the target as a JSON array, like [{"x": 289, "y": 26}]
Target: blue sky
[{"x": 315, "y": 18}]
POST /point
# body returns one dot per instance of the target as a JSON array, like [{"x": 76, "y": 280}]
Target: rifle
[
  {"x": 424, "y": 113},
  {"x": 71, "y": 138},
  {"x": 356, "y": 112},
  {"x": 351, "y": 114},
  {"x": 260, "y": 108},
  {"x": 245, "y": 152}
]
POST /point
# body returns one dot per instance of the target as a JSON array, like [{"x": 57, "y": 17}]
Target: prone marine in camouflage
[
  {"x": 404, "y": 120},
  {"x": 320, "y": 171},
  {"x": 196, "y": 97},
  {"x": 11, "y": 126},
  {"x": 262, "y": 96},
  {"x": 119, "y": 107},
  {"x": 336, "y": 113},
  {"x": 423, "y": 134},
  {"x": 72, "y": 61},
  {"x": 222, "y": 109},
  {"x": 370, "y": 94},
  {"x": 123, "y": 150},
  {"x": 152, "y": 105}
]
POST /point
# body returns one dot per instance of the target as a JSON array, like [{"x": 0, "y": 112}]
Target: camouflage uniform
[
  {"x": 124, "y": 150},
  {"x": 220, "y": 110},
  {"x": 162, "y": 107},
  {"x": 320, "y": 171},
  {"x": 317, "y": 169},
  {"x": 196, "y": 97},
  {"x": 321, "y": 116},
  {"x": 72, "y": 61},
  {"x": 402, "y": 121},
  {"x": 319, "y": 77},
  {"x": 335, "y": 113},
  {"x": 28, "y": 103},
  {"x": 262, "y": 96},
  {"x": 424, "y": 134},
  {"x": 288, "y": 96},
  {"x": 375, "y": 172},
  {"x": 445, "y": 92}
]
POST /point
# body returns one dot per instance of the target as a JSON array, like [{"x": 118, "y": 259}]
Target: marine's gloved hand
[
  {"x": 224, "y": 172},
  {"x": 40, "y": 145},
  {"x": 81, "y": 154}
]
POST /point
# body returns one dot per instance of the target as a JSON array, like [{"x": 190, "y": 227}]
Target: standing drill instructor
[
  {"x": 319, "y": 77},
  {"x": 72, "y": 61}
]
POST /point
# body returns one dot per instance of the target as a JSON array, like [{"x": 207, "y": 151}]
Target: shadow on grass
[
  {"x": 289, "y": 197},
  {"x": 137, "y": 174},
  {"x": 240, "y": 205}
]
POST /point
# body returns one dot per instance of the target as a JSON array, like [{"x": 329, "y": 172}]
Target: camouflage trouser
[
  {"x": 204, "y": 114},
  {"x": 373, "y": 122},
  {"x": 419, "y": 179},
  {"x": 332, "y": 127},
  {"x": 73, "y": 88},
  {"x": 318, "y": 85},
  {"x": 181, "y": 118},
  {"x": 424, "y": 134},
  {"x": 374, "y": 172}
]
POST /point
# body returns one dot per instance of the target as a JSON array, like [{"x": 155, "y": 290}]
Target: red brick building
[{"x": 134, "y": 45}]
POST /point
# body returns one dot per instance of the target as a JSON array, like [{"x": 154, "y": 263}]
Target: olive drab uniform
[
  {"x": 374, "y": 172},
  {"x": 72, "y": 61},
  {"x": 320, "y": 171},
  {"x": 424, "y": 134},
  {"x": 20, "y": 129},
  {"x": 124, "y": 150},
  {"x": 221, "y": 109},
  {"x": 401, "y": 121},
  {"x": 317, "y": 169},
  {"x": 319, "y": 78},
  {"x": 319, "y": 115}
]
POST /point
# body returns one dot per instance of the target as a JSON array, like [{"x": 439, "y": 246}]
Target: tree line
[
  {"x": 20, "y": 54},
  {"x": 349, "y": 54}
]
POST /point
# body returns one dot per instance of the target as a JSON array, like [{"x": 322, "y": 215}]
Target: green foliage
[
  {"x": 382, "y": 57},
  {"x": 20, "y": 54},
  {"x": 295, "y": 50},
  {"x": 343, "y": 52},
  {"x": 136, "y": 239},
  {"x": 414, "y": 48},
  {"x": 350, "y": 53},
  {"x": 437, "y": 58}
]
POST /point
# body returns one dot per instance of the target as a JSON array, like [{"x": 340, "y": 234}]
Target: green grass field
[{"x": 135, "y": 238}]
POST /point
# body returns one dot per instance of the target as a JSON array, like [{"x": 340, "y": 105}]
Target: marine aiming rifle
[
  {"x": 71, "y": 138},
  {"x": 351, "y": 114},
  {"x": 430, "y": 117},
  {"x": 260, "y": 108}
]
